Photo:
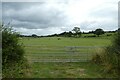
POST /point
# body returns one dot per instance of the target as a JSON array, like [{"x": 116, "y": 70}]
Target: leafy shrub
[
  {"x": 12, "y": 53},
  {"x": 18, "y": 70},
  {"x": 110, "y": 58}
]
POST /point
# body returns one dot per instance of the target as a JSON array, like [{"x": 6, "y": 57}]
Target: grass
[
  {"x": 17, "y": 70},
  {"x": 53, "y": 41},
  {"x": 66, "y": 70},
  {"x": 51, "y": 48}
]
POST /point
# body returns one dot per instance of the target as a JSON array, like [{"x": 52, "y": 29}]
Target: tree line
[{"x": 75, "y": 32}]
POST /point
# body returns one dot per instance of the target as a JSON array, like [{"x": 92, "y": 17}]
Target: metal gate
[{"x": 62, "y": 54}]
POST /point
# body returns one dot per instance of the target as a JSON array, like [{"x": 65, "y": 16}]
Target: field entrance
[
  {"x": 63, "y": 62},
  {"x": 65, "y": 58}
]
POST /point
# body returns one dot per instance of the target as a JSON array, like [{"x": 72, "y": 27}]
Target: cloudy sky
[{"x": 43, "y": 17}]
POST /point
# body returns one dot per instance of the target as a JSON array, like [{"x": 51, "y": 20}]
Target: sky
[{"x": 44, "y": 17}]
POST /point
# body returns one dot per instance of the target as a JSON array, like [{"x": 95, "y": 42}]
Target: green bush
[
  {"x": 113, "y": 55},
  {"x": 12, "y": 51},
  {"x": 110, "y": 57},
  {"x": 18, "y": 70},
  {"x": 13, "y": 59}
]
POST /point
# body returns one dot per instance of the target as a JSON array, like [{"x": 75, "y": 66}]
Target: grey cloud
[
  {"x": 47, "y": 31},
  {"x": 119, "y": 14},
  {"x": 0, "y": 11},
  {"x": 88, "y": 25},
  {"x": 19, "y": 5},
  {"x": 92, "y": 25},
  {"x": 106, "y": 11},
  {"x": 34, "y": 13},
  {"x": 65, "y": 1},
  {"x": 44, "y": 17}
]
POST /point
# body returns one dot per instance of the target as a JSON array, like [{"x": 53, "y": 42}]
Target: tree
[
  {"x": 76, "y": 31},
  {"x": 70, "y": 34},
  {"x": 66, "y": 34},
  {"x": 99, "y": 32},
  {"x": 91, "y": 32},
  {"x": 34, "y": 35}
]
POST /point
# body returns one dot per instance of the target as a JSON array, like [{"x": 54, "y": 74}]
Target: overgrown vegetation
[
  {"x": 13, "y": 62},
  {"x": 110, "y": 57}
]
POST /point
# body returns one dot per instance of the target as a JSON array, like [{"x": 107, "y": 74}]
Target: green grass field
[
  {"x": 53, "y": 41},
  {"x": 53, "y": 58}
]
